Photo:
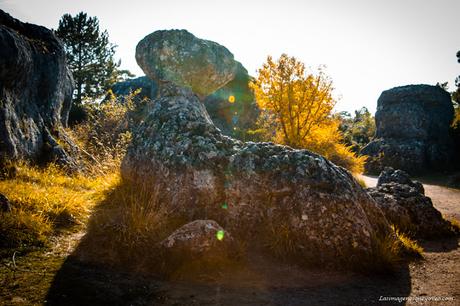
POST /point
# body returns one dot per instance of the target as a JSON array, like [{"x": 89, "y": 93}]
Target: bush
[
  {"x": 327, "y": 141},
  {"x": 105, "y": 135}
]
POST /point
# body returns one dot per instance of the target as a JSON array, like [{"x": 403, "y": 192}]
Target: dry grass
[
  {"x": 46, "y": 201},
  {"x": 454, "y": 225},
  {"x": 360, "y": 180},
  {"x": 125, "y": 228}
]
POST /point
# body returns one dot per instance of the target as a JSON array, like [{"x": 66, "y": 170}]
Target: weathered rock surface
[
  {"x": 390, "y": 175},
  {"x": 412, "y": 130},
  {"x": 247, "y": 186},
  {"x": 180, "y": 57},
  {"x": 404, "y": 205},
  {"x": 35, "y": 93}
]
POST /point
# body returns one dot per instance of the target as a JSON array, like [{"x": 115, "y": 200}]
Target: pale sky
[{"x": 367, "y": 45}]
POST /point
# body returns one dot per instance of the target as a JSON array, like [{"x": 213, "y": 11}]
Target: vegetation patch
[{"x": 46, "y": 201}]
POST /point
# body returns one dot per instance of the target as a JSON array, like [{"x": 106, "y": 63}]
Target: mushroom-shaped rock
[
  {"x": 250, "y": 187},
  {"x": 180, "y": 57}
]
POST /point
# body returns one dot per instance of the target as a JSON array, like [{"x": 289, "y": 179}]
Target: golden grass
[
  {"x": 360, "y": 180},
  {"x": 46, "y": 200},
  {"x": 454, "y": 225}
]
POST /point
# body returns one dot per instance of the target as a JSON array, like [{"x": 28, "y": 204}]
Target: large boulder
[
  {"x": 180, "y": 57},
  {"x": 404, "y": 204},
  {"x": 412, "y": 130},
  {"x": 35, "y": 93},
  {"x": 250, "y": 188}
]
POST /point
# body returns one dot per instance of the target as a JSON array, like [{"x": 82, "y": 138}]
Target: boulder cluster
[
  {"x": 412, "y": 133},
  {"x": 35, "y": 94},
  {"x": 405, "y": 205}
]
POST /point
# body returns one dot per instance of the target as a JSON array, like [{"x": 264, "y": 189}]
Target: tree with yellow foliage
[{"x": 297, "y": 108}]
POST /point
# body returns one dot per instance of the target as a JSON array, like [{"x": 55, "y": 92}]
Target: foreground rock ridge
[
  {"x": 249, "y": 187},
  {"x": 412, "y": 130},
  {"x": 35, "y": 93}
]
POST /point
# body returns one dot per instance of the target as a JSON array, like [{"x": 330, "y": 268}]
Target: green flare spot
[
  {"x": 220, "y": 235},
  {"x": 224, "y": 205}
]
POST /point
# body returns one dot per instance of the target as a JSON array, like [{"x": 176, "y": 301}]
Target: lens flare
[
  {"x": 220, "y": 235},
  {"x": 231, "y": 99},
  {"x": 224, "y": 205}
]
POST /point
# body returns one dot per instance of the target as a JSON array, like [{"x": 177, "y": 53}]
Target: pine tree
[{"x": 90, "y": 57}]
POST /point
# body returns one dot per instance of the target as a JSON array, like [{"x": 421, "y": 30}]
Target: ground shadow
[
  {"x": 442, "y": 179},
  {"x": 440, "y": 245},
  {"x": 80, "y": 284}
]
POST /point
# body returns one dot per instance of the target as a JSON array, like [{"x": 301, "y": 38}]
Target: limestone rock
[
  {"x": 180, "y": 57},
  {"x": 390, "y": 175},
  {"x": 199, "y": 239},
  {"x": 246, "y": 186},
  {"x": 147, "y": 88},
  {"x": 35, "y": 93},
  {"x": 405, "y": 205},
  {"x": 412, "y": 130}
]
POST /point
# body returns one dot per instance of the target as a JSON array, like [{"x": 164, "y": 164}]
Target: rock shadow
[{"x": 440, "y": 245}]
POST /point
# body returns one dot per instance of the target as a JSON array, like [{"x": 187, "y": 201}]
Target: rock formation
[
  {"x": 232, "y": 108},
  {"x": 405, "y": 205},
  {"x": 180, "y": 57},
  {"x": 412, "y": 130},
  {"x": 35, "y": 93},
  {"x": 178, "y": 150},
  {"x": 248, "y": 188}
]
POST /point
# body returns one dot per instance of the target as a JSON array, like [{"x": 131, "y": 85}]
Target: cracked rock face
[
  {"x": 35, "y": 93},
  {"x": 178, "y": 56},
  {"x": 246, "y": 187},
  {"x": 412, "y": 130}
]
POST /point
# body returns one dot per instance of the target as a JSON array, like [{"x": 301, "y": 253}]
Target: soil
[{"x": 55, "y": 277}]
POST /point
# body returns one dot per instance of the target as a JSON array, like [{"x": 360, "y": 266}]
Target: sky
[{"x": 367, "y": 45}]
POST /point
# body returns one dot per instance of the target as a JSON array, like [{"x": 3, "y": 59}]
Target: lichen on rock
[{"x": 180, "y": 57}]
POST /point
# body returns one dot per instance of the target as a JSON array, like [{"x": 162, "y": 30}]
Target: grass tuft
[{"x": 46, "y": 201}]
